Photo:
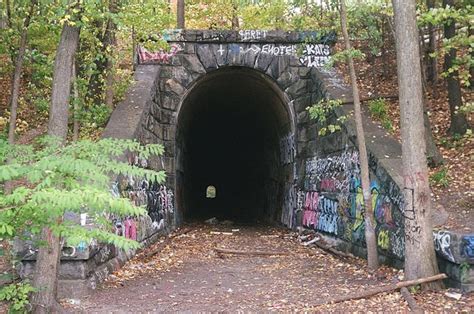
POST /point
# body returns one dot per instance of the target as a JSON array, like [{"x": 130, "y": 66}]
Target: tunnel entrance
[{"x": 229, "y": 160}]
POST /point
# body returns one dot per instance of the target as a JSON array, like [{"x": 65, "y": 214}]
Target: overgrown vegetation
[
  {"x": 56, "y": 179},
  {"x": 323, "y": 111},
  {"x": 379, "y": 110}
]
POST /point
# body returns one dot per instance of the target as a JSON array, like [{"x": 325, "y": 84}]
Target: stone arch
[{"x": 258, "y": 117}]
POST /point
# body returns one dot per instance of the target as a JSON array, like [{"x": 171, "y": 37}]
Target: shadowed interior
[{"x": 229, "y": 131}]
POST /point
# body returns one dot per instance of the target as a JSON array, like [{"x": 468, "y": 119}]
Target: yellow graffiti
[
  {"x": 383, "y": 239},
  {"x": 359, "y": 205}
]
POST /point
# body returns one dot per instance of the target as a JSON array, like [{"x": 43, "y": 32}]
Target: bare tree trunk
[
  {"x": 433, "y": 155},
  {"x": 16, "y": 80},
  {"x": 15, "y": 89},
  {"x": 432, "y": 62},
  {"x": 471, "y": 70},
  {"x": 9, "y": 13},
  {"x": 47, "y": 261},
  {"x": 95, "y": 88},
  {"x": 458, "y": 119},
  {"x": 76, "y": 125},
  {"x": 235, "y": 15},
  {"x": 385, "y": 38},
  {"x": 110, "y": 41},
  {"x": 180, "y": 14},
  {"x": 372, "y": 255},
  {"x": 420, "y": 258}
]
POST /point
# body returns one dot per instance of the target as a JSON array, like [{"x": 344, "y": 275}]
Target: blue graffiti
[{"x": 467, "y": 246}]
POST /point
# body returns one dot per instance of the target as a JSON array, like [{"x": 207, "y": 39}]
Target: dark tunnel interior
[{"x": 229, "y": 131}]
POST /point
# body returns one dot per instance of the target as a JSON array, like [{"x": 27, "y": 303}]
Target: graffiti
[
  {"x": 162, "y": 56},
  {"x": 315, "y": 55},
  {"x": 334, "y": 180},
  {"x": 246, "y": 35},
  {"x": 383, "y": 239},
  {"x": 467, "y": 246},
  {"x": 272, "y": 49},
  {"x": 442, "y": 241},
  {"x": 397, "y": 241},
  {"x": 157, "y": 198},
  {"x": 328, "y": 185},
  {"x": 337, "y": 167},
  {"x": 311, "y": 203},
  {"x": 288, "y": 216},
  {"x": 328, "y": 217},
  {"x": 287, "y": 149}
]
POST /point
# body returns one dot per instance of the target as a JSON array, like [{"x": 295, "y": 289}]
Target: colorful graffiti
[
  {"x": 467, "y": 246},
  {"x": 332, "y": 202},
  {"x": 162, "y": 56},
  {"x": 157, "y": 198}
]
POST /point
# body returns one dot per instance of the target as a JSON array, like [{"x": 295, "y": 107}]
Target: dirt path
[{"x": 188, "y": 276}]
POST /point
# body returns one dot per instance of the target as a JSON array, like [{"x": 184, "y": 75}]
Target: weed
[
  {"x": 379, "y": 110},
  {"x": 17, "y": 294},
  {"x": 440, "y": 177}
]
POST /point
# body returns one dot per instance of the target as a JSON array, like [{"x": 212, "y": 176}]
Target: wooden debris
[
  {"x": 317, "y": 240},
  {"x": 221, "y": 232},
  {"x": 249, "y": 253},
  {"x": 410, "y": 300},
  {"x": 368, "y": 293},
  {"x": 167, "y": 240}
]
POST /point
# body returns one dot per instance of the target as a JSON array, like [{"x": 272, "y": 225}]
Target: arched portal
[{"x": 234, "y": 129}]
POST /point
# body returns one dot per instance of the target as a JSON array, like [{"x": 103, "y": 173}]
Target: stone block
[
  {"x": 297, "y": 89},
  {"x": 174, "y": 86},
  {"x": 169, "y": 101},
  {"x": 206, "y": 56},
  {"x": 192, "y": 64}
]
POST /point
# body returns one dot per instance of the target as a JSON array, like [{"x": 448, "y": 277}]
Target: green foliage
[
  {"x": 440, "y": 177},
  {"x": 463, "y": 41},
  {"x": 366, "y": 20},
  {"x": 322, "y": 111},
  {"x": 379, "y": 110},
  {"x": 464, "y": 268},
  {"x": 457, "y": 140},
  {"x": 17, "y": 295},
  {"x": 73, "y": 178},
  {"x": 341, "y": 56}
]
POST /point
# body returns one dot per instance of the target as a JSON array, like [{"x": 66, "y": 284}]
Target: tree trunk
[
  {"x": 16, "y": 80},
  {"x": 471, "y": 70},
  {"x": 15, "y": 89},
  {"x": 62, "y": 78},
  {"x": 110, "y": 41},
  {"x": 95, "y": 88},
  {"x": 433, "y": 155},
  {"x": 9, "y": 13},
  {"x": 372, "y": 255},
  {"x": 180, "y": 14},
  {"x": 458, "y": 119},
  {"x": 76, "y": 124},
  {"x": 47, "y": 261},
  {"x": 420, "y": 258},
  {"x": 385, "y": 38},
  {"x": 431, "y": 62},
  {"x": 235, "y": 15}
]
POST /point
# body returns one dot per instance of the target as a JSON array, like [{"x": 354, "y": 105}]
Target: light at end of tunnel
[{"x": 211, "y": 191}]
